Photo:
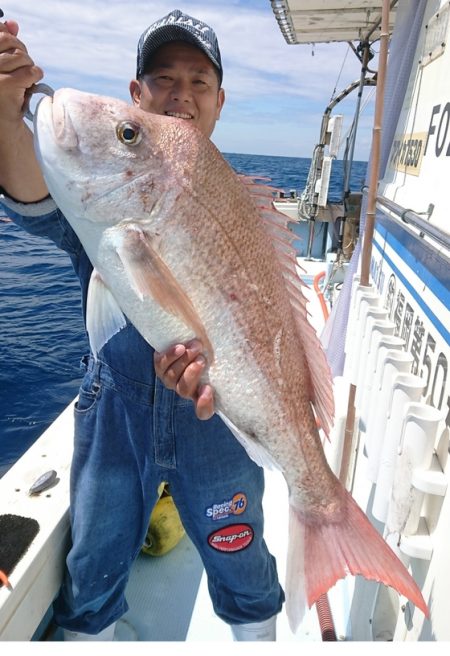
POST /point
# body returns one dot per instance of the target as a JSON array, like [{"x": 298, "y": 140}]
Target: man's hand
[
  {"x": 20, "y": 174},
  {"x": 17, "y": 73},
  {"x": 180, "y": 368}
]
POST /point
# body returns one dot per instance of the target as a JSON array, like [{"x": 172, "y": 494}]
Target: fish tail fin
[{"x": 321, "y": 553}]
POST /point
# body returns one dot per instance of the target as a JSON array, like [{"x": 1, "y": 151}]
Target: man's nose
[{"x": 181, "y": 91}]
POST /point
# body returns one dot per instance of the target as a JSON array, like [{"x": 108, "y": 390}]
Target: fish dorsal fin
[
  {"x": 104, "y": 318},
  {"x": 275, "y": 224},
  {"x": 254, "y": 449},
  {"x": 151, "y": 277}
]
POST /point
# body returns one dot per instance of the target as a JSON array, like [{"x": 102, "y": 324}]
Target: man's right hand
[
  {"x": 17, "y": 74},
  {"x": 20, "y": 174}
]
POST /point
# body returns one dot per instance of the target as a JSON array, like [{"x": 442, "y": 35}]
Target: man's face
[{"x": 181, "y": 82}]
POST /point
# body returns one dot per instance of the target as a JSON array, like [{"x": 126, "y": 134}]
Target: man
[{"x": 132, "y": 431}]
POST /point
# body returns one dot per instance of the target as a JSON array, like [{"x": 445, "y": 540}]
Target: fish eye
[{"x": 129, "y": 133}]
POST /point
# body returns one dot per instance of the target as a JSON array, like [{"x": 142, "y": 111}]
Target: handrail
[{"x": 410, "y": 217}]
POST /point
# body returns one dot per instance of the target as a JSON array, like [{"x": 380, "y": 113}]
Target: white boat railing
[{"x": 36, "y": 578}]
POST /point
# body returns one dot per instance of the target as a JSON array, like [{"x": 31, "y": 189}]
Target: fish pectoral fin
[
  {"x": 104, "y": 318},
  {"x": 254, "y": 449},
  {"x": 151, "y": 277}
]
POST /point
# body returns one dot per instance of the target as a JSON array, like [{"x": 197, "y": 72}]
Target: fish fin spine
[{"x": 275, "y": 224}]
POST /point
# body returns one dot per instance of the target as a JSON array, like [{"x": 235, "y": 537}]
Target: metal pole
[
  {"x": 312, "y": 225},
  {"x": 366, "y": 253}
]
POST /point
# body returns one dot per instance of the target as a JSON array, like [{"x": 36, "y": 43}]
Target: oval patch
[{"x": 234, "y": 537}]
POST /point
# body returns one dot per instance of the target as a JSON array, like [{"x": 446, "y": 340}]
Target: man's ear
[
  {"x": 135, "y": 91},
  {"x": 220, "y": 102}
]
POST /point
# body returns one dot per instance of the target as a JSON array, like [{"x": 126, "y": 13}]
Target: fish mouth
[
  {"x": 53, "y": 115},
  {"x": 63, "y": 127}
]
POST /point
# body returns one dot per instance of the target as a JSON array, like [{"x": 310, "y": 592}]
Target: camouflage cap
[{"x": 177, "y": 26}]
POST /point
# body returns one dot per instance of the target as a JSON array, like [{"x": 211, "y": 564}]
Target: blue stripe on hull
[{"x": 420, "y": 257}]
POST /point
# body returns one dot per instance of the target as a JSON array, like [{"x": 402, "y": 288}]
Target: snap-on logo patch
[
  {"x": 234, "y": 537},
  {"x": 234, "y": 506}
]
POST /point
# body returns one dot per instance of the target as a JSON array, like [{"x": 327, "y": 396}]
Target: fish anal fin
[
  {"x": 104, "y": 318},
  {"x": 254, "y": 449},
  {"x": 322, "y": 553},
  {"x": 151, "y": 277}
]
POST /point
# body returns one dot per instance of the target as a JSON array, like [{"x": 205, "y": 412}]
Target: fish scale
[{"x": 185, "y": 248}]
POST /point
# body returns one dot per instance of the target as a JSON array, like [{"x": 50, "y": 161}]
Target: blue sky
[{"x": 275, "y": 93}]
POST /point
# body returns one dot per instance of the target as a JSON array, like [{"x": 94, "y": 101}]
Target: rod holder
[
  {"x": 369, "y": 313},
  {"x": 376, "y": 328},
  {"x": 406, "y": 388},
  {"x": 380, "y": 343},
  {"x": 363, "y": 296},
  {"x": 413, "y": 476},
  {"x": 390, "y": 364}
]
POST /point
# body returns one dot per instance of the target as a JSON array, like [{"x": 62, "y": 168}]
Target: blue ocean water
[{"x": 42, "y": 331}]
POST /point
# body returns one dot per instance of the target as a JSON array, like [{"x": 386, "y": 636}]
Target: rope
[{"x": 339, "y": 74}]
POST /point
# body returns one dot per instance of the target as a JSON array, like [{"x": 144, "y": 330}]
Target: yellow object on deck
[{"x": 165, "y": 528}]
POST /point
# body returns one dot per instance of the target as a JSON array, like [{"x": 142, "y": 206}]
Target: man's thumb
[{"x": 13, "y": 27}]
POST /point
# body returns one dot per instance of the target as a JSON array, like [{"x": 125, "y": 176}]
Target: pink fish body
[{"x": 185, "y": 248}]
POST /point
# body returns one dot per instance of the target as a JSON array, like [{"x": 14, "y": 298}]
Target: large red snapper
[{"x": 185, "y": 248}]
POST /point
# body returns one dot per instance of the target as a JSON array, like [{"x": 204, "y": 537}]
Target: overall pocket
[{"x": 88, "y": 396}]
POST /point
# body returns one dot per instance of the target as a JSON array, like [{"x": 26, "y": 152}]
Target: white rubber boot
[
  {"x": 255, "y": 631},
  {"x": 107, "y": 635}
]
